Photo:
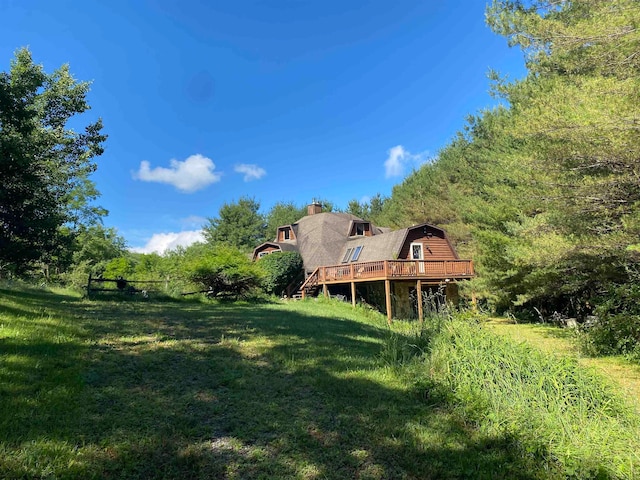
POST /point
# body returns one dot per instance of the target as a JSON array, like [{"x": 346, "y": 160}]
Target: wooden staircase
[{"x": 311, "y": 285}]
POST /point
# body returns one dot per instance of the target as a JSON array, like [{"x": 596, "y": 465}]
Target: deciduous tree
[{"x": 44, "y": 163}]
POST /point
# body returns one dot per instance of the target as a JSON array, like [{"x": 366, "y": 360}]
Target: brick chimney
[{"x": 314, "y": 208}]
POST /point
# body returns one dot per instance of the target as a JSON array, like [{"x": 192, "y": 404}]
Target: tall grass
[{"x": 556, "y": 411}]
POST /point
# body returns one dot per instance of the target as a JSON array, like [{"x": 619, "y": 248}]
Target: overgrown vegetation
[
  {"x": 542, "y": 192},
  {"x": 280, "y": 268}
]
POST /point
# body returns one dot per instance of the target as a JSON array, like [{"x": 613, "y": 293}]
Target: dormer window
[
  {"x": 360, "y": 229},
  {"x": 285, "y": 233}
]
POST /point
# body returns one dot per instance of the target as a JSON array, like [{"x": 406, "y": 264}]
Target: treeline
[{"x": 543, "y": 192}]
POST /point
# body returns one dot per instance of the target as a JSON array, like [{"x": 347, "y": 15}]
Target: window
[
  {"x": 262, "y": 254},
  {"x": 347, "y": 255},
  {"x": 360, "y": 229},
  {"x": 416, "y": 251},
  {"x": 285, "y": 233},
  {"x": 356, "y": 253}
]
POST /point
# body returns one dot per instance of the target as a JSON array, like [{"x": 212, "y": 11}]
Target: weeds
[{"x": 560, "y": 413}]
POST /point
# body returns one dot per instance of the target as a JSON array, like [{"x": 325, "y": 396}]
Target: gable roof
[{"x": 323, "y": 239}]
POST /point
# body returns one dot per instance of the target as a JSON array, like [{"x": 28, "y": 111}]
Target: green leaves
[
  {"x": 44, "y": 164},
  {"x": 238, "y": 224}
]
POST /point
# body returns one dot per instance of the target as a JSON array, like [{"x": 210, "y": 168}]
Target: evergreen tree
[{"x": 238, "y": 224}]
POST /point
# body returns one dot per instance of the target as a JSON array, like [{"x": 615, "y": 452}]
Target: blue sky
[{"x": 289, "y": 100}]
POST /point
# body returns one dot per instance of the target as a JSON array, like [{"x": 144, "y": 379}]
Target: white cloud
[
  {"x": 195, "y": 173},
  {"x": 251, "y": 171},
  {"x": 162, "y": 242},
  {"x": 399, "y": 159}
]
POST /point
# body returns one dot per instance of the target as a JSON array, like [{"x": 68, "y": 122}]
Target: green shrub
[
  {"x": 617, "y": 328},
  {"x": 280, "y": 269},
  {"x": 224, "y": 271},
  {"x": 119, "y": 267}
]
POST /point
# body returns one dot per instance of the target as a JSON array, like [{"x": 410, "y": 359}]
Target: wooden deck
[{"x": 428, "y": 270}]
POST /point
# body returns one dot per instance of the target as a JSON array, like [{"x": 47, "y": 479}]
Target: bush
[
  {"x": 224, "y": 271},
  {"x": 617, "y": 329},
  {"x": 280, "y": 269}
]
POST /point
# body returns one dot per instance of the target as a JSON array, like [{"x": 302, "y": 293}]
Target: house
[{"x": 344, "y": 254}]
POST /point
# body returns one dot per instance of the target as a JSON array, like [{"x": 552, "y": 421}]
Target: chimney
[{"x": 314, "y": 208}]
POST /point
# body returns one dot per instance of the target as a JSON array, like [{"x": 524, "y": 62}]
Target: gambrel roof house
[{"x": 340, "y": 249}]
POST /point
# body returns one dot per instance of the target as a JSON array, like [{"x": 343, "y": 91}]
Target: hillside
[{"x": 284, "y": 390}]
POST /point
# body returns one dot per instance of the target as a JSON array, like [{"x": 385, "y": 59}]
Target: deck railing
[{"x": 397, "y": 269}]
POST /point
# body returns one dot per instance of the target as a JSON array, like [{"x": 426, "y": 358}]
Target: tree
[
  {"x": 44, "y": 164},
  {"x": 283, "y": 213},
  {"x": 238, "y": 224},
  {"x": 368, "y": 210}
]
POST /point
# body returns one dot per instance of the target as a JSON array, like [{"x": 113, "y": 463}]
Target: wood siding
[
  {"x": 281, "y": 234},
  {"x": 435, "y": 247},
  {"x": 267, "y": 249}
]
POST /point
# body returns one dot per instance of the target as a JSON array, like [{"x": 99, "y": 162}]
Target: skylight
[
  {"x": 356, "y": 253},
  {"x": 347, "y": 255}
]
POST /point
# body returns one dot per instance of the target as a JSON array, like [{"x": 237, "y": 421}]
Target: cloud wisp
[
  {"x": 400, "y": 159},
  {"x": 250, "y": 171},
  {"x": 163, "y": 242},
  {"x": 195, "y": 173}
]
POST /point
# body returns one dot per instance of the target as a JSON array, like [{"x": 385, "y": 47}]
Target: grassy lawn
[
  {"x": 95, "y": 389},
  {"x": 191, "y": 390},
  {"x": 560, "y": 341}
]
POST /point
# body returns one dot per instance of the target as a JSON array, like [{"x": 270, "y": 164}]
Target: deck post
[
  {"x": 353, "y": 293},
  {"x": 419, "y": 295},
  {"x": 387, "y": 297},
  {"x": 325, "y": 290}
]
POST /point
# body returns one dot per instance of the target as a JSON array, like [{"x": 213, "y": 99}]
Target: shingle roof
[
  {"x": 378, "y": 247},
  {"x": 322, "y": 239}
]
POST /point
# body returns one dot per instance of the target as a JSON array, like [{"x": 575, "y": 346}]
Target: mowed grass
[{"x": 92, "y": 389}]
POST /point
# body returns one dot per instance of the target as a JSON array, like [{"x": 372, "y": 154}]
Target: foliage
[
  {"x": 282, "y": 213},
  {"x": 281, "y": 268},
  {"x": 543, "y": 192},
  {"x": 615, "y": 328},
  {"x": 224, "y": 271},
  {"x": 121, "y": 267},
  {"x": 238, "y": 224},
  {"x": 91, "y": 251},
  {"x": 368, "y": 210},
  {"x": 44, "y": 163}
]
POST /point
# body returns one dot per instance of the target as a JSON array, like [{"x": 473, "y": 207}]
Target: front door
[{"x": 417, "y": 253}]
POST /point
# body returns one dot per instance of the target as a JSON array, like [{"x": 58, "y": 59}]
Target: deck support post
[
  {"x": 387, "y": 297},
  {"x": 325, "y": 290},
  {"x": 419, "y": 295},
  {"x": 353, "y": 294}
]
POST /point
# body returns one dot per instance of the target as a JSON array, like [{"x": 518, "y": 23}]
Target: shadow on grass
[{"x": 224, "y": 391}]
